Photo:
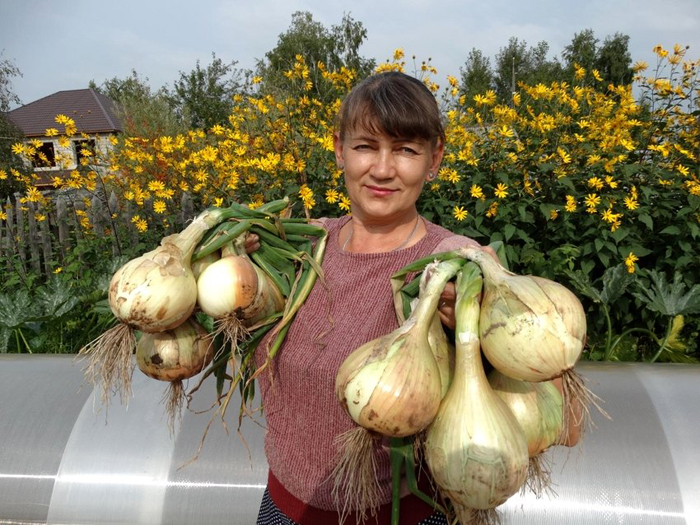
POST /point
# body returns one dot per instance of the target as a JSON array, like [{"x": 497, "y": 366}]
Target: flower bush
[{"x": 584, "y": 183}]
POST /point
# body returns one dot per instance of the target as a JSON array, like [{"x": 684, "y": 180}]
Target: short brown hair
[{"x": 393, "y": 103}]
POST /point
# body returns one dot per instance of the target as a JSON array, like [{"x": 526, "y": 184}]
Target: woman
[{"x": 389, "y": 142}]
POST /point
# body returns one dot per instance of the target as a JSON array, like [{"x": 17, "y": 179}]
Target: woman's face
[{"x": 384, "y": 175}]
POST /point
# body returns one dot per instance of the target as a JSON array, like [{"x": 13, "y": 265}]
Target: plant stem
[
  {"x": 397, "y": 461},
  {"x": 627, "y": 332},
  {"x": 608, "y": 343},
  {"x": 663, "y": 344}
]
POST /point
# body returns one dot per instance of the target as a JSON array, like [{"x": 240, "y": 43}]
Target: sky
[{"x": 62, "y": 45}]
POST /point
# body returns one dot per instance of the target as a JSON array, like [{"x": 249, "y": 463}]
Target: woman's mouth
[{"x": 378, "y": 191}]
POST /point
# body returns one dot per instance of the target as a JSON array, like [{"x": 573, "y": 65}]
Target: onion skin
[
  {"x": 154, "y": 292},
  {"x": 176, "y": 354},
  {"x": 538, "y": 408},
  {"x": 475, "y": 449},
  {"x": 531, "y": 328},
  {"x": 443, "y": 351}
]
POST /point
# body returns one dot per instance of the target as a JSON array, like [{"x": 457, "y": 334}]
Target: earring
[
  {"x": 431, "y": 176},
  {"x": 341, "y": 167}
]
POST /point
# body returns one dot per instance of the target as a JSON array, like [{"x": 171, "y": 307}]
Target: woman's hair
[{"x": 392, "y": 103}]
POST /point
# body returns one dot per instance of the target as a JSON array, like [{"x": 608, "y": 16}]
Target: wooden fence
[{"x": 31, "y": 245}]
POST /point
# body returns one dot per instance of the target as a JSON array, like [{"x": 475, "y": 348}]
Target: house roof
[{"x": 92, "y": 112}]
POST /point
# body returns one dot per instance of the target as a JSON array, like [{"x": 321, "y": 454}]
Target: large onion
[{"x": 475, "y": 448}]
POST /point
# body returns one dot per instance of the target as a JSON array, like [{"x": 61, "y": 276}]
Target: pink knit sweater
[{"x": 302, "y": 413}]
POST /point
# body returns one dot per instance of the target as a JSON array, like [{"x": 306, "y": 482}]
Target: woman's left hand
[{"x": 446, "y": 305}]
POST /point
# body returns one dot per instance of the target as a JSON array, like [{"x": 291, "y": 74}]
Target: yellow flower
[
  {"x": 141, "y": 225},
  {"x": 257, "y": 80},
  {"x": 493, "y": 209},
  {"x": 218, "y": 202},
  {"x": 580, "y": 72},
  {"x": 565, "y": 157},
  {"x": 476, "y": 191},
  {"x": 592, "y": 200},
  {"x": 344, "y": 203},
  {"x": 332, "y": 196},
  {"x": 631, "y": 203},
  {"x": 629, "y": 262},
  {"x": 596, "y": 75},
  {"x": 516, "y": 99},
  {"x": 570, "y": 203},
  {"x": 500, "y": 191},
  {"x": 506, "y": 131},
  {"x": 58, "y": 270},
  {"x": 459, "y": 213},
  {"x": 553, "y": 214},
  {"x": 3, "y": 174},
  {"x": 640, "y": 65},
  {"x": 612, "y": 183},
  {"x": 595, "y": 182},
  {"x": 18, "y": 148},
  {"x": 683, "y": 169},
  {"x": 159, "y": 207},
  {"x": 3, "y": 216},
  {"x": 398, "y": 54},
  {"x": 39, "y": 217}
]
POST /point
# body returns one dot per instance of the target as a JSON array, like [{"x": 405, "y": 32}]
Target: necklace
[{"x": 404, "y": 243}]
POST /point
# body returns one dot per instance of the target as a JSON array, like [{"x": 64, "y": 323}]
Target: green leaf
[
  {"x": 508, "y": 231},
  {"x": 587, "y": 267},
  {"x": 671, "y": 230},
  {"x": 669, "y": 299},
  {"x": 604, "y": 258},
  {"x": 583, "y": 284},
  {"x": 4, "y": 339},
  {"x": 643, "y": 217},
  {"x": 56, "y": 299},
  {"x": 615, "y": 282},
  {"x": 599, "y": 243},
  {"x": 16, "y": 310}
]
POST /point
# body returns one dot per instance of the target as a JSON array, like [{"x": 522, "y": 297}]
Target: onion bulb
[
  {"x": 392, "y": 385},
  {"x": 530, "y": 328},
  {"x": 538, "y": 409},
  {"x": 174, "y": 355},
  {"x": 475, "y": 448},
  {"x": 237, "y": 293},
  {"x": 534, "y": 329}
]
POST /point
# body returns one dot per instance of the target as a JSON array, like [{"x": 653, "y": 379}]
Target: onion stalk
[
  {"x": 533, "y": 329},
  {"x": 475, "y": 448},
  {"x": 175, "y": 355},
  {"x": 538, "y": 409}
]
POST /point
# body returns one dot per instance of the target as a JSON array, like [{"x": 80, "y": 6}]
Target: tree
[
  {"x": 581, "y": 51},
  {"x": 335, "y": 48},
  {"x": 516, "y": 63},
  {"x": 476, "y": 76},
  {"x": 9, "y": 134},
  {"x": 206, "y": 94},
  {"x": 613, "y": 59},
  {"x": 142, "y": 112}
]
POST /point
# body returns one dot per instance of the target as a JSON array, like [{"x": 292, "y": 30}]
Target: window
[
  {"x": 45, "y": 157},
  {"x": 84, "y": 151}
]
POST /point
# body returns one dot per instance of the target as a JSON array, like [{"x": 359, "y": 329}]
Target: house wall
[{"x": 66, "y": 156}]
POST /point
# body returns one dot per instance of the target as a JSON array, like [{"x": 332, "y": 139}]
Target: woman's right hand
[{"x": 252, "y": 242}]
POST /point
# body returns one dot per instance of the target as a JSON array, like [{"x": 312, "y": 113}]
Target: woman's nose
[{"x": 383, "y": 166}]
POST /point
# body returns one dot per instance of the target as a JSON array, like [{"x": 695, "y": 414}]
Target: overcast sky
[{"x": 61, "y": 45}]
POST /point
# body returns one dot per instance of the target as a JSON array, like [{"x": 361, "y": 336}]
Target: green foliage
[
  {"x": 476, "y": 76},
  {"x": 205, "y": 94},
  {"x": 335, "y": 47},
  {"x": 9, "y": 134}
]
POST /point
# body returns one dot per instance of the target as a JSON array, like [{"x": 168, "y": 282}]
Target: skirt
[{"x": 270, "y": 515}]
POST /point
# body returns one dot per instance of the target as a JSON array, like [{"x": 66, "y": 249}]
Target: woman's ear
[
  {"x": 338, "y": 147},
  {"x": 437, "y": 153}
]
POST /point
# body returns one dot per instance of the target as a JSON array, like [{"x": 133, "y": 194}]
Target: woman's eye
[{"x": 410, "y": 151}]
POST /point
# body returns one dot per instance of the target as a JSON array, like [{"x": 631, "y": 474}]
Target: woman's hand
[
  {"x": 252, "y": 243},
  {"x": 446, "y": 305}
]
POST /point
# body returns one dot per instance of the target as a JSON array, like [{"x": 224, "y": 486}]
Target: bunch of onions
[
  {"x": 475, "y": 448},
  {"x": 518, "y": 310},
  {"x": 174, "y": 355},
  {"x": 151, "y": 293},
  {"x": 538, "y": 409},
  {"x": 390, "y": 386}
]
